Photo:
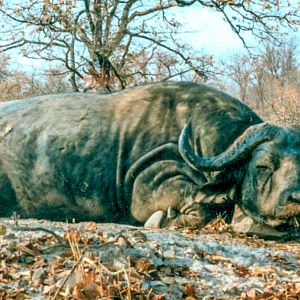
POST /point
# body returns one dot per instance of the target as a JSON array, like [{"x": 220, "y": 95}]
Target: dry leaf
[
  {"x": 77, "y": 292},
  {"x": 46, "y": 289},
  {"x": 189, "y": 290},
  {"x": 85, "y": 239},
  {"x": 72, "y": 235},
  {"x": 25, "y": 250},
  {"x": 241, "y": 271},
  {"x": 2, "y": 229},
  {"x": 251, "y": 294},
  {"x": 144, "y": 266},
  {"x": 89, "y": 277},
  {"x": 218, "y": 258},
  {"x": 92, "y": 290},
  {"x": 261, "y": 271},
  {"x": 90, "y": 226}
]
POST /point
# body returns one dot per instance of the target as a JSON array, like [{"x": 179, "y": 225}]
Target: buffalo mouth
[
  {"x": 266, "y": 227},
  {"x": 290, "y": 229},
  {"x": 286, "y": 222},
  {"x": 289, "y": 211},
  {"x": 286, "y": 217},
  {"x": 289, "y": 214}
]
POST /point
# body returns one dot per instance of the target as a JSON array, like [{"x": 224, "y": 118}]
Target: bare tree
[
  {"x": 240, "y": 71},
  {"x": 110, "y": 43},
  {"x": 280, "y": 62},
  {"x": 3, "y": 66},
  {"x": 49, "y": 82},
  {"x": 270, "y": 82},
  {"x": 265, "y": 20},
  {"x": 15, "y": 84},
  {"x": 116, "y": 43},
  {"x": 11, "y": 82},
  {"x": 277, "y": 82}
]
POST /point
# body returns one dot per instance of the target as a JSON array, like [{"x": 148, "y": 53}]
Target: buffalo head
[{"x": 264, "y": 168}]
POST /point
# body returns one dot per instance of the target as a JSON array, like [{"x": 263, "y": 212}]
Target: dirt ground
[{"x": 53, "y": 260}]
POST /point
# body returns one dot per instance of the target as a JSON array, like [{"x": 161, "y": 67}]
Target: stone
[{"x": 38, "y": 275}]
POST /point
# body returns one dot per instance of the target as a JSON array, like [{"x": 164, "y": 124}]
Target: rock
[
  {"x": 38, "y": 275},
  {"x": 115, "y": 256},
  {"x": 169, "y": 254},
  {"x": 158, "y": 287},
  {"x": 72, "y": 280},
  {"x": 181, "y": 281},
  {"x": 156, "y": 260},
  {"x": 92, "y": 291},
  {"x": 217, "y": 266},
  {"x": 240, "y": 222},
  {"x": 139, "y": 236},
  {"x": 168, "y": 280}
]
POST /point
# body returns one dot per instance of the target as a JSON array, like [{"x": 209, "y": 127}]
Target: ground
[{"x": 52, "y": 260}]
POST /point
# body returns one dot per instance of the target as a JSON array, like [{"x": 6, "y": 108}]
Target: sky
[{"x": 206, "y": 30}]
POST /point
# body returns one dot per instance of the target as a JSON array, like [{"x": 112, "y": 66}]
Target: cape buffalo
[{"x": 172, "y": 153}]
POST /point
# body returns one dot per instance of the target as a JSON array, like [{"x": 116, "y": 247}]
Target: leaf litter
[{"x": 55, "y": 260}]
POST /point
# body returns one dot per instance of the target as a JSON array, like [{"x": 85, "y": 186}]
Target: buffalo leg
[{"x": 8, "y": 201}]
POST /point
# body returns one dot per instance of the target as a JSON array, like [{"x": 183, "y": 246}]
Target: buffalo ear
[
  {"x": 221, "y": 182},
  {"x": 224, "y": 184},
  {"x": 219, "y": 194},
  {"x": 239, "y": 175}
]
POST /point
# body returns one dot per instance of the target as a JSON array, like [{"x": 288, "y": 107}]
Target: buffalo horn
[{"x": 239, "y": 149}]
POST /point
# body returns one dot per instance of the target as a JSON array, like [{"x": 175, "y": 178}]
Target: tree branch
[{"x": 185, "y": 59}]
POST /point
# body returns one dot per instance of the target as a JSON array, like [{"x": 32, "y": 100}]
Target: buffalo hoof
[{"x": 156, "y": 220}]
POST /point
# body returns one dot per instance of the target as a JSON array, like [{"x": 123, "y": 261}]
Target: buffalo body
[{"x": 115, "y": 158}]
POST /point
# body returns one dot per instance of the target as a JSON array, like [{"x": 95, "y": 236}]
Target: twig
[
  {"x": 26, "y": 228},
  {"x": 69, "y": 275},
  {"x": 128, "y": 285},
  {"x": 91, "y": 246},
  {"x": 105, "y": 269},
  {"x": 54, "y": 247}
]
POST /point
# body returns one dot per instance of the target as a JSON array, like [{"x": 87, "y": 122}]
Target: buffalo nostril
[{"x": 295, "y": 197}]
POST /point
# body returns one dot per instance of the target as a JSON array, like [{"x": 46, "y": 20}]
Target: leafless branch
[{"x": 177, "y": 52}]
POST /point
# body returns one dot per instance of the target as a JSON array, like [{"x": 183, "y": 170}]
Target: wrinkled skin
[
  {"x": 270, "y": 189},
  {"x": 264, "y": 164},
  {"x": 115, "y": 158}
]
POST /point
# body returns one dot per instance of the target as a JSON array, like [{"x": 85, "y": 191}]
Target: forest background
[{"x": 248, "y": 48}]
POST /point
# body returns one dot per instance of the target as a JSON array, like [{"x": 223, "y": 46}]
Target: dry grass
[{"x": 95, "y": 280}]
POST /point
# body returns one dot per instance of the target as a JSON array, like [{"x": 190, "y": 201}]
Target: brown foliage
[
  {"x": 19, "y": 84},
  {"x": 283, "y": 104},
  {"x": 270, "y": 83}
]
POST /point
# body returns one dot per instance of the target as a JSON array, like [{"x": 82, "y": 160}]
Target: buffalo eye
[{"x": 262, "y": 175}]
